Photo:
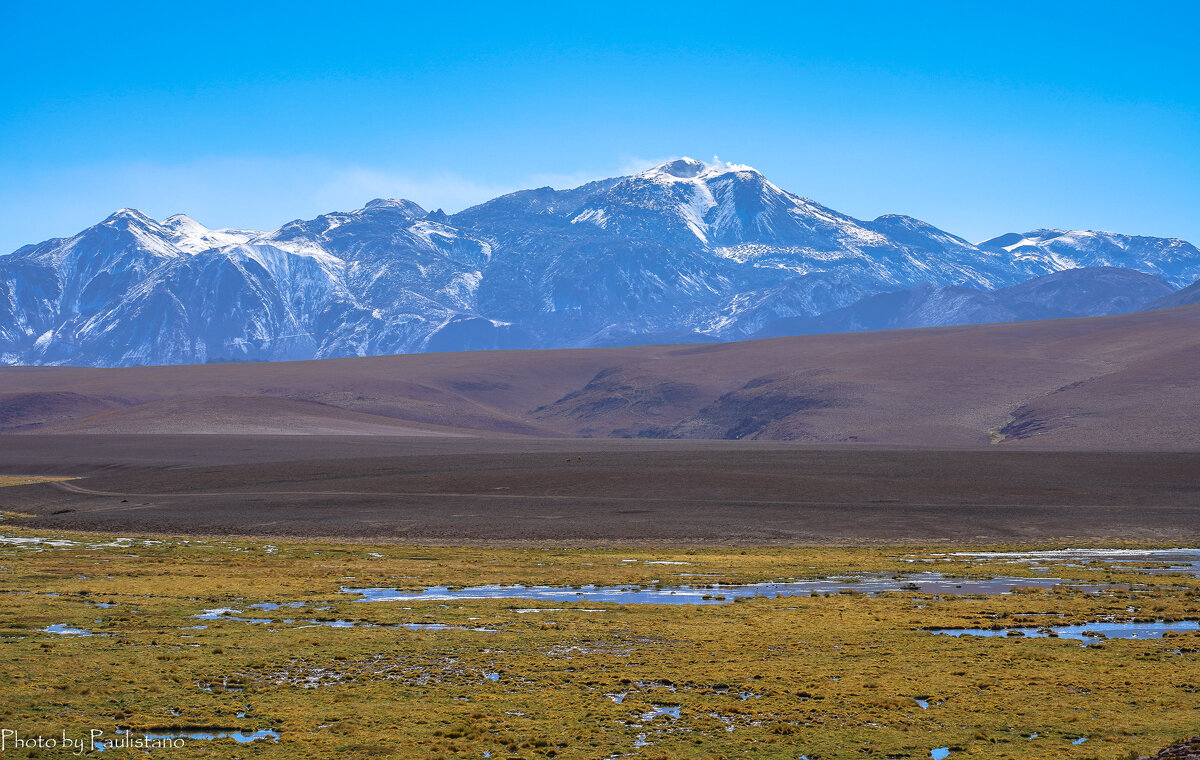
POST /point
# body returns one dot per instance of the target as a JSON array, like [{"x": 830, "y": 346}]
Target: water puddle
[
  {"x": 929, "y": 583},
  {"x": 939, "y": 753},
  {"x": 44, "y": 543},
  {"x": 555, "y": 609},
  {"x": 64, "y": 630},
  {"x": 1086, "y": 632},
  {"x": 655, "y": 711},
  {"x": 226, "y": 613},
  {"x": 56, "y": 543},
  {"x": 212, "y": 687},
  {"x": 231, "y": 614},
  {"x": 1178, "y": 560},
  {"x": 161, "y": 740},
  {"x": 237, "y": 736}
]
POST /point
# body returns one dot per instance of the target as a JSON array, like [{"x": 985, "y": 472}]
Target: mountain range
[{"x": 686, "y": 251}]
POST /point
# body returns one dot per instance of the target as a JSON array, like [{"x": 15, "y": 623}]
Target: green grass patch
[{"x": 824, "y": 676}]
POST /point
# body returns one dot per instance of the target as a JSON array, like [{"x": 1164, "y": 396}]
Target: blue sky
[{"x": 980, "y": 118}]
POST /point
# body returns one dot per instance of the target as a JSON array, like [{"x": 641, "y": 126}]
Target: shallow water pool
[
  {"x": 866, "y": 583},
  {"x": 1080, "y": 632}
]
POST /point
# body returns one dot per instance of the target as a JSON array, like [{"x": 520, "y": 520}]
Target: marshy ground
[{"x": 193, "y": 635}]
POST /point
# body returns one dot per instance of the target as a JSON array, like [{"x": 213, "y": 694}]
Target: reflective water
[
  {"x": 939, "y": 753},
  {"x": 43, "y": 543},
  {"x": 1181, "y": 560},
  {"x": 65, "y": 630},
  {"x": 226, "y": 613},
  {"x": 1081, "y": 632},
  {"x": 237, "y": 736},
  {"x": 670, "y": 711},
  {"x": 555, "y": 609},
  {"x": 930, "y": 583}
]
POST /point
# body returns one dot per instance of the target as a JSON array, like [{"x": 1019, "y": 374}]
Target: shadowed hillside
[{"x": 1130, "y": 381}]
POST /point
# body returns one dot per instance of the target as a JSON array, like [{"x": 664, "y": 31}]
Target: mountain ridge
[
  {"x": 1090, "y": 292},
  {"x": 686, "y": 248}
]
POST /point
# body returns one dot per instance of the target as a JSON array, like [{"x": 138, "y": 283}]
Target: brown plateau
[{"x": 1084, "y": 428}]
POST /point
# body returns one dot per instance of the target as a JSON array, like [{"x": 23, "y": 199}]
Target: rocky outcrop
[{"x": 1188, "y": 749}]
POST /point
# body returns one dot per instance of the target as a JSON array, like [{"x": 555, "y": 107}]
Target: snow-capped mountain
[
  {"x": 1091, "y": 292},
  {"x": 1044, "y": 251},
  {"x": 684, "y": 251},
  {"x": 190, "y": 236}
]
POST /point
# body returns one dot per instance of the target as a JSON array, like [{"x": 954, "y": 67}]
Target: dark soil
[{"x": 440, "y": 489}]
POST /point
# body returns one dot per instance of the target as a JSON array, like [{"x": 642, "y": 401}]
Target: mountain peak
[
  {"x": 400, "y": 204},
  {"x": 903, "y": 221},
  {"x": 690, "y": 168},
  {"x": 127, "y": 216},
  {"x": 191, "y": 236},
  {"x": 177, "y": 222},
  {"x": 1011, "y": 240},
  {"x": 684, "y": 168}
]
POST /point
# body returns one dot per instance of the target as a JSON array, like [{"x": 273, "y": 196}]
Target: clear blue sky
[{"x": 978, "y": 117}]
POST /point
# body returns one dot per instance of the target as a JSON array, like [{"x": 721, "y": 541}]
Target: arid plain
[{"x": 1087, "y": 428}]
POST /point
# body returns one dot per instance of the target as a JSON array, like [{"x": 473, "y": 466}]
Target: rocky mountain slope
[
  {"x": 686, "y": 251},
  {"x": 1183, "y": 297},
  {"x": 1088, "y": 292}
]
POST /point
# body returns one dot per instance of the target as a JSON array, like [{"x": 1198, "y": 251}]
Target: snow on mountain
[
  {"x": 687, "y": 250},
  {"x": 52, "y": 285},
  {"x": 1089, "y": 292},
  {"x": 1176, "y": 261},
  {"x": 190, "y": 236}
]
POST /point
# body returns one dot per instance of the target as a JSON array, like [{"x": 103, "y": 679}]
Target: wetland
[{"x": 328, "y": 649}]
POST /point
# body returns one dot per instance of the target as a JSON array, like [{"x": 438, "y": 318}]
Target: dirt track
[{"x": 567, "y": 491}]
